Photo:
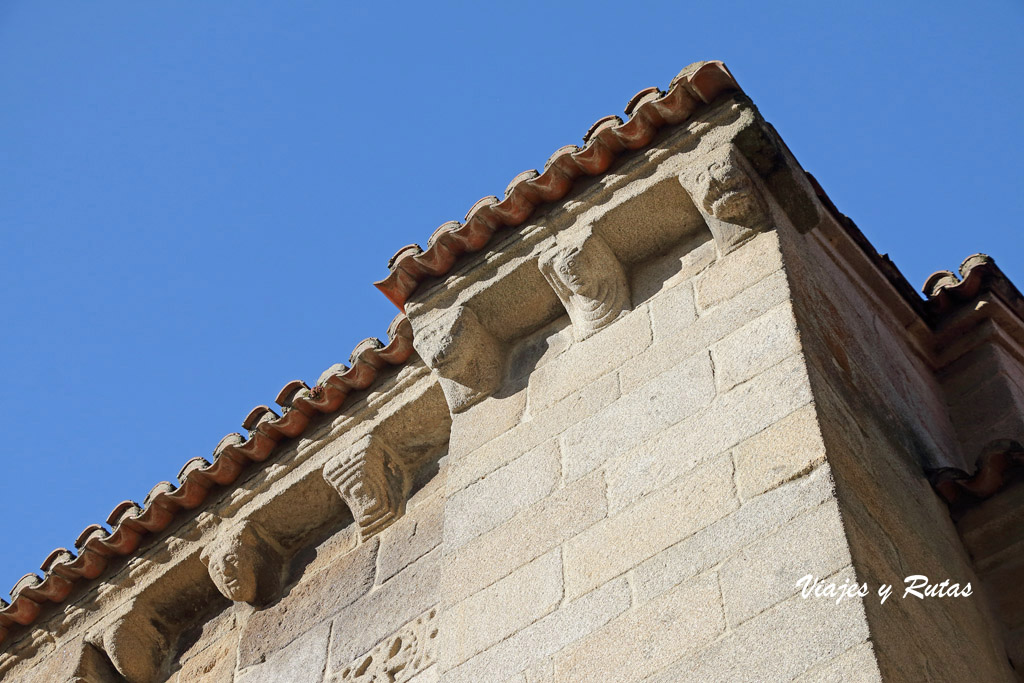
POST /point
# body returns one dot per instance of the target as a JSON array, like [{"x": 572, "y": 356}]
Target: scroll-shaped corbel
[
  {"x": 589, "y": 280},
  {"x": 245, "y": 564},
  {"x": 372, "y": 482},
  {"x": 723, "y": 187},
  {"x": 468, "y": 359}
]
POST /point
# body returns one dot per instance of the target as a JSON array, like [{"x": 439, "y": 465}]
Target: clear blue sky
[{"x": 196, "y": 196}]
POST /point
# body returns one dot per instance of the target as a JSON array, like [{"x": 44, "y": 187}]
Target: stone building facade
[{"x": 624, "y": 410}]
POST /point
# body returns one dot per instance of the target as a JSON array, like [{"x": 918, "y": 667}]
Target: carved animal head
[{"x": 724, "y": 189}]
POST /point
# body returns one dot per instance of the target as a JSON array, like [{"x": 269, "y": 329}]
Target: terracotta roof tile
[
  {"x": 649, "y": 111},
  {"x": 130, "y": 523},
  {"x": 978, "y": 272}
]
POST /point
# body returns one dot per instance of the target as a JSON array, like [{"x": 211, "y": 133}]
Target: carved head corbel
[
  {"x": 589, "y": 281},
  {"x": 244, "y": 563},
  {"x": 723, "y": 187},
  {"x": 468, "y": 359}
]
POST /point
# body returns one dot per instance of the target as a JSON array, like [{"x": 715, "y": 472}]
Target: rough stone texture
[
  {"x": 778, "y": 644},
  {"x": 732, "y": 417},
  {"x": 727, "y": 277},
  {"x": 493, "y": 614},
  {"x": 754, "y": 520},
  {"x": 215, "y": 664},
  {"x": 301, "y": 661},
  {"x": 755, "y": 347},
  {"x": 501, "y": 494},
  {"x": 541, "y": 425},
  {"x": 638, "y": 415},
  {"x": 588, "y": 360},
  {"x": 404, "y": 656},
  {"x": 360, "y": 626},
  {"x": 530, "y": 646},
  {"x": 618, "y": 543},
  {"x": 307, "y": 604},
  {"x": 814, "y": 543},
  {"x": 633, "y": 423},
  {"x": 683, "y": 621},
  {"x": 782, "y": 451},
  {"x": 413, "y": 536},
  {"x": 856, "y": 665},
  {"x": 711, "y": 326},
  {"x": 673, "y": 312},
  {"x": 882, "y": 420},
  {"x": 534, "y": 531}
]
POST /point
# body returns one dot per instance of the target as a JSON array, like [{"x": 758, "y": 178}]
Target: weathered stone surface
[
  {"x": 431, "y": 675},
  {"x": 626, "y": 494},
  {"x": 755, "y": 347},
  {"x": 467, "y": 358},
  {"x": 777, "y": 645},
  {"x": 766, "y": 572},
  {"x": 501, "y": 495},
  {"x": 590, "y": 359},
  {"x": 708, "y": 547},
  {"x": 493, "y": 614},
  {"x": 486, "y": 420},
  {"x": 412, "y": 537},
  {"x": 711, "y": 326},
  {"x": 670, "y": 272},
  {"x": 738, "y": 270},
  {"x": 215, "y": 664},
  {"x": 301, "y": 661},
  {"x": 783, "y": 450},
  {"x": 402, "y": 657},
  {"x": 730, "y": 418},
  {"x": 73, "y": 662},
  {"x": 589, "y": 281},
  {"x": 371, "y": 480},
  {"x": 540, "y": 426},
  {"x": 619, "y": 543},
  {"x": 364, "y": 623},
  {"x": 856, "y": 665},
  {"x": 245, "y": 563},
  {"x": 569, "y": 623},
  {"x": 531, "y": 533},
  {"x": 683, "y": 620},
  {"x": 665, "y": 400},
  {"x": 672, "y": 312},
  {"x": 307, "y": 604},
  {"x": 724, "y": 188}
]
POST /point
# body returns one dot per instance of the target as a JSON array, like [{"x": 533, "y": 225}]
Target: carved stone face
[
  {"x": 726, "y": 192},
  {"x": 233, "y": 564},
  {"x": 572, "y": 267}
]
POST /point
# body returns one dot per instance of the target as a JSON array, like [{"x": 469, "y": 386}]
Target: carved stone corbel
[
  {"x": 724, "y": 188},
  {"x": 372, "y": 482},
  {"x": 589, "y": 281},
  {"x": 468, "y": 359},
  {"x": 137, "y": 643},
  {"x": 245, "y": 564}
]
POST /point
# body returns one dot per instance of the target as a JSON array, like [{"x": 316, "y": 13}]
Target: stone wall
[{"x": 631, "y": 426}]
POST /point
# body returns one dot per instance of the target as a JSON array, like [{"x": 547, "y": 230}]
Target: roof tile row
[
  {"x": 130, "y": 523},
  {"x": 649, "y": 111}
]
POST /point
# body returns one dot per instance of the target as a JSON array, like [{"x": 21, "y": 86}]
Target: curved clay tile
[
  {"x": 978, "y": 272},
  {"x": 131, "y": 523},
  {"x": 648, "y": 111}
]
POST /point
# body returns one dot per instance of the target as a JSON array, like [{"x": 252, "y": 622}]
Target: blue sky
[{"x": 196, "y": 196}]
